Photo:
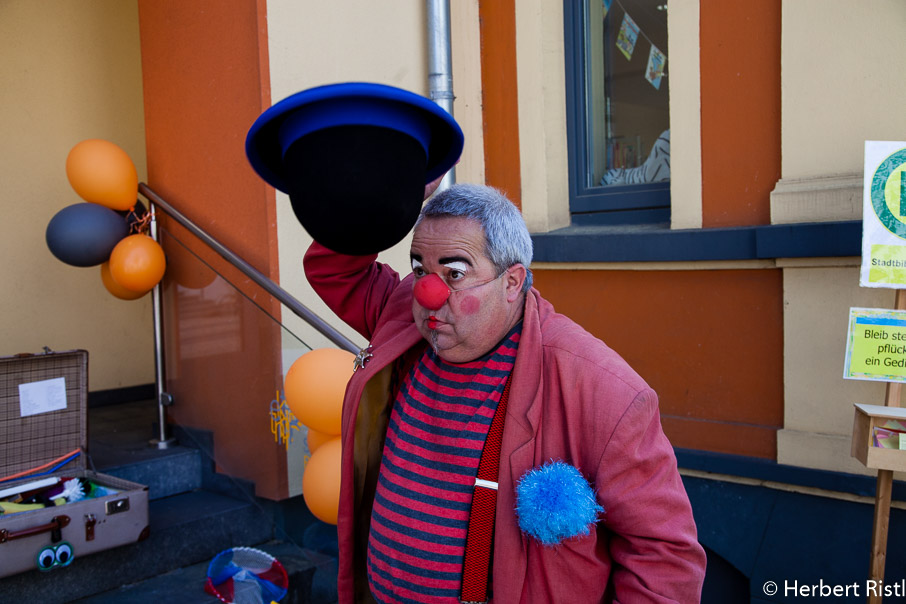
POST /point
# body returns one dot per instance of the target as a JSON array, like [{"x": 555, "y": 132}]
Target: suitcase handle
[{"x": 57, "y": 523}]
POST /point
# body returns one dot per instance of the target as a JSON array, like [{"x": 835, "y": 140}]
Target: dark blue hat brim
[{"x": 352, "y": 103}]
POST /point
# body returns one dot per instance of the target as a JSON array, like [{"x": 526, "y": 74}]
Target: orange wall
[
  {"x": 500, "y": 107},
  {"x": 740, "y": 110},
  {"x": 205, "y": 77},
  {"x": 709, "y": 342}
]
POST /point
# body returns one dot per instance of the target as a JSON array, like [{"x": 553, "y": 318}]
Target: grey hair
[{"x": 507, "y": 238}]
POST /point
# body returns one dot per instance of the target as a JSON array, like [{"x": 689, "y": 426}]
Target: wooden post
[{"x": 883, "y": 490}]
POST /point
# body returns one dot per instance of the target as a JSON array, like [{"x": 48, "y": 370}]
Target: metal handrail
[
  {"x": 163, "y": 398},
  {"x": 283, "y": 296}
]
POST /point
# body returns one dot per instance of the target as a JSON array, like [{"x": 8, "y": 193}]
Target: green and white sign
[
  {"x": 876, "y": 345},
  {"x": 884, "y": 215}
]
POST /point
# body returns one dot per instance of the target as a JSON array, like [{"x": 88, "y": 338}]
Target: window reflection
[
  {"x": 205, "y": 312},
  {"x": 626, "y": 88},
  {"x": 210, "y": 321}
]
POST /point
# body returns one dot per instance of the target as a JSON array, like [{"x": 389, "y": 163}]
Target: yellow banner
[{"x": 876, "y": 347}]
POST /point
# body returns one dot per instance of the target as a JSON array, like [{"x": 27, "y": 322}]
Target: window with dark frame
[{"x": 618, "y": 111}]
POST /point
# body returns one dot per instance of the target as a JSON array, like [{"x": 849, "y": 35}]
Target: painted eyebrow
[
  {"x": 453, "y": 259},
  {"x": 460, "y": 267},
  {"x": 444, "y": 261}
]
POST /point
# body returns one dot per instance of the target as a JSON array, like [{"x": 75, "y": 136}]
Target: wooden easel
[{"x": 883, "y": 491}]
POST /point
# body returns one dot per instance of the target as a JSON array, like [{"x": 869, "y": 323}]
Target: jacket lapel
[{"x": 518, "y": 448}]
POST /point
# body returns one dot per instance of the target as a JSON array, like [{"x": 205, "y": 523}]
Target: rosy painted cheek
[{"x": 470, "y": 305}]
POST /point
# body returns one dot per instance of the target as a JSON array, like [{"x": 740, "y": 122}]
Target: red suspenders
[{"x": 476, "y": 567}]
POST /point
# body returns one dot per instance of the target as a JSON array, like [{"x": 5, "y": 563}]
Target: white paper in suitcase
[{"x": 53, "y": 509}]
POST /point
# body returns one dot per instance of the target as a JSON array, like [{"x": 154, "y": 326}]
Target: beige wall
[
  {"x": 818, "y": 402},
  {"x": 841, "y": 66},
  {"x": 685, "y": 116},
  {"x": 827, "y": 112},
  {"x": 71, "y": 70},
  {"x": 390, "y": 48},
  {"x": 542, "y": 114},
  {"x": 841, "y": 87},
  {"x": 384, "y": 43},
  {"x": 306, "y": 50},
  {"x": 465, "y": 37},
  {"x": 322, "y": 42}
]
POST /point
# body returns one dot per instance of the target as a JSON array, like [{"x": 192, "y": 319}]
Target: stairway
[{"x": 194, "y": 514}]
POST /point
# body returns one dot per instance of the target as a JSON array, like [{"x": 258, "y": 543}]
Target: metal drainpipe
[{"x": 440, "y": 65}]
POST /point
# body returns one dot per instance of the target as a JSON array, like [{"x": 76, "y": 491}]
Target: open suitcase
[{"x": 43, "y": 438}]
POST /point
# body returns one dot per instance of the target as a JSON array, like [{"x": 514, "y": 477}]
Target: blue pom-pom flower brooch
[{"x": 554, "y": 502}]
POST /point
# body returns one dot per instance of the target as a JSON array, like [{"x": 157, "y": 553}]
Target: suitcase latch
[
  {"x": 117, "y": 506},
  {"x": 90, "y": 521}
]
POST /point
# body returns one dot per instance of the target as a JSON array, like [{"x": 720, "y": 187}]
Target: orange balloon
[
  {"x": 115, "y": 288},
  {"x": 102, "y": 173},
  {"x": 137, "y": 263},
  {"x": 321, "y": 481},
  {"x": 315, "y": 385},
  {"x": 315, "y": 439}
]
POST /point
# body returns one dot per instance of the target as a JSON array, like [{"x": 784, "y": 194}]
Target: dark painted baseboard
[
  {"x": 767, "y": 470},
  {"x": 659, "y": 243}
]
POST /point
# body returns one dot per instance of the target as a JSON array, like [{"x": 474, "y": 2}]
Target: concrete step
[
  {"x": 186, "y": 529},
  {"x": 195, "y": 513},
  {"x": 119, "y": 444},
  {"x": 166, "y": 473},
  {"x": 312, "y": 579}
]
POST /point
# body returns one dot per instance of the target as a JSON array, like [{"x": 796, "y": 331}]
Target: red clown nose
[{"x": 431, "y": 292}]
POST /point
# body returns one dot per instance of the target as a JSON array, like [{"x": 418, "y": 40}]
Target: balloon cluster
[
  {"x": 314, "y": 387},
  {"x": 98, "y": 232}
]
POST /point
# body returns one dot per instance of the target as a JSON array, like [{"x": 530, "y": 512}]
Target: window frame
[{"x": 596, "y": 205}]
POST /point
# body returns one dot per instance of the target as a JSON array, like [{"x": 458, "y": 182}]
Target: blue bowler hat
[{"x": 354, "y": 159}]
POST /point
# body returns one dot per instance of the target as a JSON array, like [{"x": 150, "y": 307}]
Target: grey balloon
[{"x": 84, "y": 234}]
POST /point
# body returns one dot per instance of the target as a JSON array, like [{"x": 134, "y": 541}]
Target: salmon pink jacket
[{"x": 572, "y": 399}]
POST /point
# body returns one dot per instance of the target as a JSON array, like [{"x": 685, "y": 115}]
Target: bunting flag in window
[
  {"x": 607, "y": 4},
  {"x": 626, "y": 39},
  {"x": 656, "y": 61}
]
